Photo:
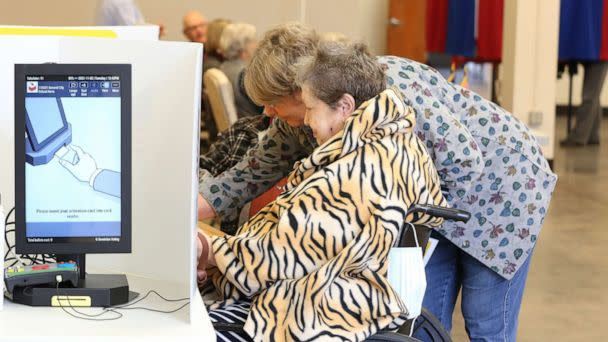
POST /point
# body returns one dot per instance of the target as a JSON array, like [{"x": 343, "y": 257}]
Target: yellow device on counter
[{"x": 67, "y": 301}]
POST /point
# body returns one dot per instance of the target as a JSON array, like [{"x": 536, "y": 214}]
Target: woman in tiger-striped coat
[{"x": 314, "y": 260}]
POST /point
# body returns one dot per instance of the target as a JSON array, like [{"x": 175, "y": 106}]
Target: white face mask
[{"x": 406, "y": 275}]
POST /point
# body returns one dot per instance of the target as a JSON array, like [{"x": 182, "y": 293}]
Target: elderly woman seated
[
  {"x": 314, "y": 261},
  {"x": 213, "y": 58},
  {"x": 237, "y": 44}
]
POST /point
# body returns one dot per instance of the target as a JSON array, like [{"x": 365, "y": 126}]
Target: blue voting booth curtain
[
  {"x": 580, "y": 30},
  {"x": 461, "y": 28}
]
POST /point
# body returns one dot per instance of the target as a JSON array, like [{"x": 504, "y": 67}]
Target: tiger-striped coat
[{"x": 314, "y": 260}]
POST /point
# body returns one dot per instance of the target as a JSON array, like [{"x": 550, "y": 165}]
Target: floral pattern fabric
[{"x": 509, "y": 199}]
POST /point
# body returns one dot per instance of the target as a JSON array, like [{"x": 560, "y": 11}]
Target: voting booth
[{"x": 165, "y": 111}]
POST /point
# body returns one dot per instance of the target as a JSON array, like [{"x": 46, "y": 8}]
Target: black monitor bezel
[
  {"x": 75, "y": 246},
  {"x": 31, "y": 135}
]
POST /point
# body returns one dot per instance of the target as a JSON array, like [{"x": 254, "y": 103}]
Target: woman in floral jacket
[{"x": 487, "y": 258}]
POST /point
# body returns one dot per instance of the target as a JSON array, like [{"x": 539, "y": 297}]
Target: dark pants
[
  {"x": 490, "y": 304},
  {"x": 589, "y": 114}
]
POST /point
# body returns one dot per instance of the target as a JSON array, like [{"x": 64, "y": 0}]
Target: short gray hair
[
  {"x": 235, "y": 38},
  {"x": 339, "y": 68}
]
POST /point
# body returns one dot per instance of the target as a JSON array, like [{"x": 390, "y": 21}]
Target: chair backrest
[{"x": 221, "y": 98}]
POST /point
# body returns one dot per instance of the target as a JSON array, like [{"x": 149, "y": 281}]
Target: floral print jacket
[{"x": 509, "y": 199}]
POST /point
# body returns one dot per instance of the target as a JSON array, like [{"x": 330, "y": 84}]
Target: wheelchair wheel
[
  {"x": 227, "y": 329},
  {"x": 426, "y": 323},
  {"x": 391, "y": 337}
]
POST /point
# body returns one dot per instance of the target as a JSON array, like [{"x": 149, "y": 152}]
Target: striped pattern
[
  {"x": 234, "y": 313},
  {"x": 313, "y": 262}
]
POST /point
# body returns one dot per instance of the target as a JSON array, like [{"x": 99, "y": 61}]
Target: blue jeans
[{"x": 490, "y": 303}]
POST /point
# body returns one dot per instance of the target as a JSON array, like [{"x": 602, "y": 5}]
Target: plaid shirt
[
  {"x": 230, "y": 148},
  {"x": 232, "y": 144}
]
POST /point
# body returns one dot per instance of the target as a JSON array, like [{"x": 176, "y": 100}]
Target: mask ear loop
[
  {"x": 415, "y": 233},
  {"x": 402, "y": 232},
  {"x": 412, "y": 326}
]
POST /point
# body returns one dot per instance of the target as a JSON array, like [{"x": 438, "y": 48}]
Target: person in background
[
  {"x": 195, "y": 27},
  {"x": 589, "y": 114},
  {"x": 213, "y": 59},
  {"x": 122, "y": 13},
  {"x": 237, "y": 44},
  {"x": 582, "y": 39}
]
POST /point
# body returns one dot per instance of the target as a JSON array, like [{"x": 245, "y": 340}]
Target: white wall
[
  {"x": 361, "y": 19},
  {"x": 529, "y": 61}
]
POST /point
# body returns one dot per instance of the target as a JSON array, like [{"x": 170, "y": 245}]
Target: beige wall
[
  {"x": 529, "y": 63},
  {"x": 261, "y": 13},
  {"x": 47, "y": 13},
  {"x": 363, "y": 20},
  {"x": 360, "y": 19},
  {"x": 374, "y": 21}
]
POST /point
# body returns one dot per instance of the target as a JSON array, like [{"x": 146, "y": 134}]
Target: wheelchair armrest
[{"x": 443, "y": 212}]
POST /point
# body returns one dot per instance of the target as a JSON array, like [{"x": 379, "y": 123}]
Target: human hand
[
  {"x": 202, "y": 257},
  {"x": 205, "y": 210},
  {"x": 84, "y": 167}
]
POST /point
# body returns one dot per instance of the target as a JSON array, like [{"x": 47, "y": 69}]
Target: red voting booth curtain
[
  {"x": 436, "y": 25},
  {"x": 604, "y": 43},
  {"x": 489, "y": 30},
  {"x": 488, "y": 45}
]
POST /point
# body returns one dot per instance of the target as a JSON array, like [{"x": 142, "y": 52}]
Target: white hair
[{"x": 235, "y": 38}]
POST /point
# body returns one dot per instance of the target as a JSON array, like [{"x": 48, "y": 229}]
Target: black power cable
[
  {"x": 114, "y": 309},
  {"x": 44, "y": 258},
  {"x": 34, "y": 259}
]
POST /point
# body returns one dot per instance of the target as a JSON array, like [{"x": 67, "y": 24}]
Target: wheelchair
[{"x": 426, "y": 322}]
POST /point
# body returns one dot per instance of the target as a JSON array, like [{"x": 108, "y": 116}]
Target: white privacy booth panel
[
  {"x": 166, "y": 88},
  {"x": 27, "y": 50},
  {"x": 39, "y": 44},
  {"x": 24, "y": 50},
  {"x": 166, "y": 83}
]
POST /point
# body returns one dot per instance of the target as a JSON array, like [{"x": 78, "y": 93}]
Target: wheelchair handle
[{"x": 443, "y": 212}]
